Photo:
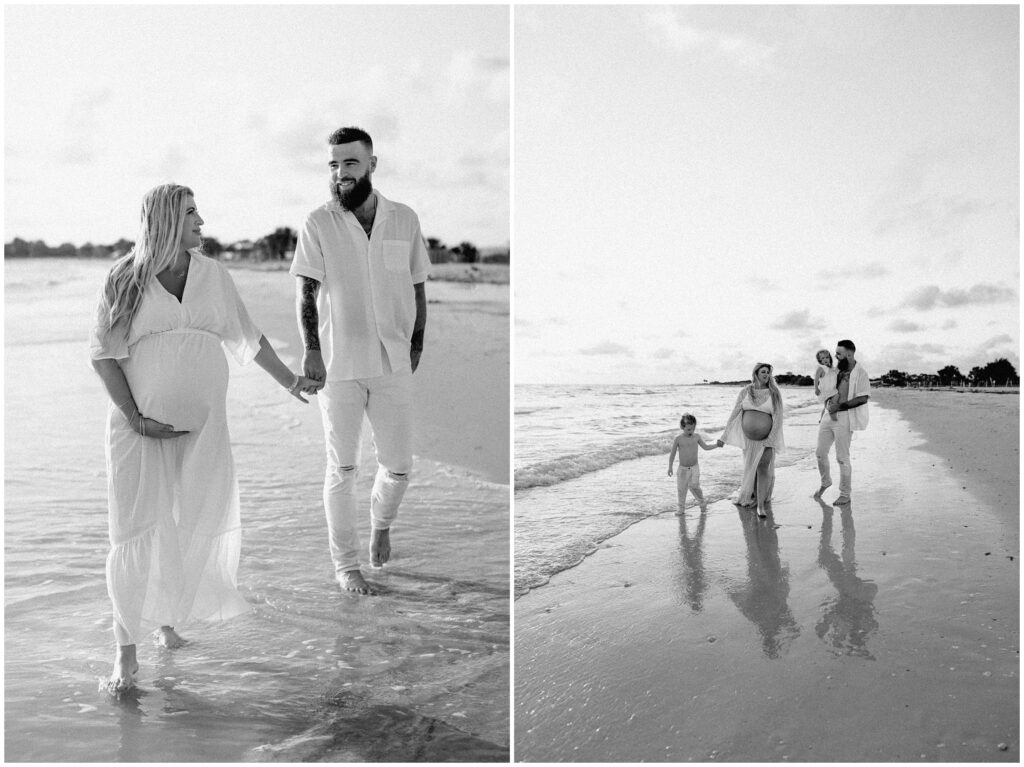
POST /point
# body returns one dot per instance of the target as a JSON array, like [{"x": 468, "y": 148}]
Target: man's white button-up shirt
[{"x": 366, "y": 302}]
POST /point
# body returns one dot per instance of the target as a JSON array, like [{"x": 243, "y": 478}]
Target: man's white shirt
[
  {"x": 860, "y": 385},
  {"x": 366, "y": 302}
]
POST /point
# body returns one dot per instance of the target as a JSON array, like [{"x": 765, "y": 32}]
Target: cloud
[
  {"x": 663, "y": 354},
  {"x": 609, "y": 348},
  {"x": 908, "y": 357},
  {"x": 1002, "y": 345},
  {"x": 930, "y": 296},
  {"x": 472, "y": 75},
  {"x": 869, "y": 271},
  {"x": 936, "y": 216},
  {"x": 742, "y": 52},
  {"x": 949, "y": 324},
  {"x": 904, "y": 326},
  {"x": 798, "y": 320},
  {"x": 762, "y": 285}
]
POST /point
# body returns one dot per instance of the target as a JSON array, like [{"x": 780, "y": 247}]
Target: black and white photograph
[
  {"x": 766, "y": 355},
  {"x": 257, "y": 383},
  {"x": 302, "y": 465}
]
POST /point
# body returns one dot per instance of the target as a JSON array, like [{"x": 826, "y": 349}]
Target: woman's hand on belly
[{"x": 149, "y": 427}]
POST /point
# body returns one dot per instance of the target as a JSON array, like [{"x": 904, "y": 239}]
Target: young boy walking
[{"x": 688, "y": 476}]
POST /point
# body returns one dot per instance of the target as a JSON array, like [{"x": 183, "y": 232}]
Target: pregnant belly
[
  {"x": 756, "y": 424},
  {"x": 178, "y": 378}
]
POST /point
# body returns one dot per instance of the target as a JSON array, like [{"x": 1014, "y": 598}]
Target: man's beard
[
  {"x": 843, "y": 364},
  {"x": 355, "y": 196}
]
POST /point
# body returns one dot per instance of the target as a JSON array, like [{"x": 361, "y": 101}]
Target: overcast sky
[
  {"x": 701, "y": 188},
  {"x": 104, "y": 102}
]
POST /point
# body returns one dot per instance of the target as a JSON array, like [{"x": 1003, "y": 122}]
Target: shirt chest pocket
[{"x": 396, "y": 255}]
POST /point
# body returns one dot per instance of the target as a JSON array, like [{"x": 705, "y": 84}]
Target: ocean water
[
  {"x": 592, "y": 460},
  {"x": 419, "y": 673}
]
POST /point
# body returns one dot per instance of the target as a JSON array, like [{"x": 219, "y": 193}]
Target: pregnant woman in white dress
[
  {"x": 755, "y": 425},
  {"x": 164, "y": 314}
]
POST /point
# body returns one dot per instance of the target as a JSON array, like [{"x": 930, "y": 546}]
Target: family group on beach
[
  {"x": 167, "y": 313},
  {"x": 755, "y": 426}
]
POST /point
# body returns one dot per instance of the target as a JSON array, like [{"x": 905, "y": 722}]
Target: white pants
[
  {"x": 387, "y": 403},
  {"x": 688, "y": 477},
  {"x": 830, "y": 431}
]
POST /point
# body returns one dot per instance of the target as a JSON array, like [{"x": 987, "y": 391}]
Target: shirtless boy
[{"x": 688, "y": 477}]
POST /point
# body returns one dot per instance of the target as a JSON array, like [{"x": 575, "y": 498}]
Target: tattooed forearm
[
  {"x": 309, "y": 317},
  {"x": 421, "y": 316}
]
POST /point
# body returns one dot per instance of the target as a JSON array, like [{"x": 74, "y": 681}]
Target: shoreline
[
  {"x": 727, "y": 639},
  {"x": 977, "y": 440},
  {"x": 480, "y": 273}
]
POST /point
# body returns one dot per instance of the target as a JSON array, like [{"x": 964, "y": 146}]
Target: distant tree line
[
  {"x": 999, "y": 372},
  {"x": 464, "y": 253},
  {"x": 279, "y": 245}
]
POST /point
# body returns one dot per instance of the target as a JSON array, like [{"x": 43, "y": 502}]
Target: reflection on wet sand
[
  {"x": 690, "y": 576},
  {"x": 131, "y": 746},
  {"x": 848, "y": 618},
  {"x": 762, "y": 598}
]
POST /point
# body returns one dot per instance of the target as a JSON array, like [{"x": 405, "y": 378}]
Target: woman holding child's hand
[{"x": 755, "y": 426}]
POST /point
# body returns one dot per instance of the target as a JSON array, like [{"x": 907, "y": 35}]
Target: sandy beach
[
  {"x": 886, "y": 632},
  {"x": 462, "y": 381},
  {"x": 419, "y": 673}
]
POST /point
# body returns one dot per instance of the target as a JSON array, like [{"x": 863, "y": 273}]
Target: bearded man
[
  {"x": 361, "y": 262},
  {"x": 851, "y": 406}
]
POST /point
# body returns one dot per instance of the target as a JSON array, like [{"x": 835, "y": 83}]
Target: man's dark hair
[
  {"x": 350, "y": 134},
  {"x": 847, "y": 344},
  {"x": 687, "y": 418}
]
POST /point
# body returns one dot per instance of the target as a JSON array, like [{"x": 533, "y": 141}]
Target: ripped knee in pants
[{"x": 343, "y": 478}]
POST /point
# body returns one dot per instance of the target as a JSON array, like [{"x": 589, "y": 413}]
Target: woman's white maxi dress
[
  {"x": 753, "y": 399},
  {"x": 175, "y": 532}
]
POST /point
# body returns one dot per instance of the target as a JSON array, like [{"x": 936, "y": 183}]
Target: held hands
[
  {"x": 313, "y": 368},
  {"x": 305, "y": 385}
]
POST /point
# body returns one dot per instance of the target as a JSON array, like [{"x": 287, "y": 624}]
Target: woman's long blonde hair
[
  {"x": 160, "y": 228},
  {"x": 773, "y": 388}
]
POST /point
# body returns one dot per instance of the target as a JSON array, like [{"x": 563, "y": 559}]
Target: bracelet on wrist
[{"x": 295, "y": 384}]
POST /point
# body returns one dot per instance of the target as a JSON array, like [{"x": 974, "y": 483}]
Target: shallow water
[
  {"x": 593, "y": 460},
  {"x": 418, "y": 673}
]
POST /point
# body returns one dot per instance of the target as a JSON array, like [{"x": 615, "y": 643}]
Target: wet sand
[
  {"x": 975, "y": 433},
  {"x": 887, "y": 632}
]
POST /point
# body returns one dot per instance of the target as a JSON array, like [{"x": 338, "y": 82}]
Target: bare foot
[
  {"x": 122, "y": 678},
  {"x": 167, "y": 637},
  {"x": 843, "y": 500},
  {"x": 380, "y": 547},
  {"x": 821, "y": 490},
  {"x": 352, "y": 580}
]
